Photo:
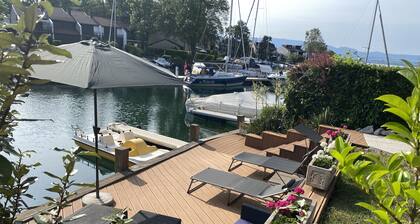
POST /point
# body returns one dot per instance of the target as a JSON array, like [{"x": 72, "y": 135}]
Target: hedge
[{"x": 346, "y": 88}]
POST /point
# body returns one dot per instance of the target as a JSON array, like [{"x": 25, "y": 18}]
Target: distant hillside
[{"x": 375, "y": 57}]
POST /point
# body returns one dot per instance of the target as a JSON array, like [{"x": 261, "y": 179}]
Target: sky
[{"x": 343, "y": 23}]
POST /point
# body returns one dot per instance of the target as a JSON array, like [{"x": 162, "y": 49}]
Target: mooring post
[
  {"x": 195, "y": 132},
  {"x": 240, "y": 119},
  {"x": 121, "y": 159}
]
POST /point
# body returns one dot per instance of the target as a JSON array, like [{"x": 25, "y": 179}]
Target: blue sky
[{"x": 342, "y": 22}]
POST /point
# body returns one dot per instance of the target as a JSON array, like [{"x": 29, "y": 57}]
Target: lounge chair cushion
[{"x": 138, "y": 147}]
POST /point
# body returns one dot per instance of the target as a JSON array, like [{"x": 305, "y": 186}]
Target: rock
[
  {"x": 367, "y": 130},
  {"x": 378, "y": 131},
  {"x": 386, "y": 133}
]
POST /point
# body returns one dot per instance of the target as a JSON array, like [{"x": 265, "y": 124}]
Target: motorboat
[
  {"x": 203, "y": 77},
  {"x": 109, "y": 139}
]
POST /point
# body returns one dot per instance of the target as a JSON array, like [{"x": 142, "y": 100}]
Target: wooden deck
[{"x": 162, "y": 188}]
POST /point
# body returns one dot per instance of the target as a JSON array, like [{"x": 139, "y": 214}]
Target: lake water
[{"x": 157, "y": 109}]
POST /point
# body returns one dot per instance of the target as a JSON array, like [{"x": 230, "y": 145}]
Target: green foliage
[
  {"x": 19, "y": 50},
  {"x": 323, "y": 162},
  {"x": 345, "y": 86},
  {"x": 270, "y": 119},
  {"x": 118, "y": 218},
  {"x": 266, "y": 50},
  {"x": 294, "y": 58},
  {"x": 237, "y": 39},
  {"x": 314, "y": 43},
  {"x": 13, "y": 188},
  {"x": 393, "y": 182},
  {"x": 61, "y": 186},
  {"x": 134, "y": 50}
]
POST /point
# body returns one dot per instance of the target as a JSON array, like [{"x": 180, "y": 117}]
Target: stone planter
[
  {"x": 310, "y": 213},
  {"x": 318, "y": 177}
]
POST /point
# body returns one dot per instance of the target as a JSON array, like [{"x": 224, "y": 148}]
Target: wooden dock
[
  {"x": 161, "y": 186},
  {"x": 217, "y": 115}
]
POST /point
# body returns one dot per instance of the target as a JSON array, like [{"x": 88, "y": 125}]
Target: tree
[
  {"x": 238, "y": 39},
  {"x": 393, "y": 182},
  {"x": 197, "y": 18},
  {"x": 65, "y": 4},
  {"x": 4, "y": 9},
  {"x": 266, "y": 50},
  {"x": 314, "y": 43},
  {"x": 144, "y": 18}
]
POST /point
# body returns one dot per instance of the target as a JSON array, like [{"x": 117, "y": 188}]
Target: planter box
[
  {"x": 318, "y": 177},
  {"x": 311, "y": 212}
]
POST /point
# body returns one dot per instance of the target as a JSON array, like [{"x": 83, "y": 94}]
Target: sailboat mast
[
  {"x": 383, "y": 33},
  {"x": 371, "y": 31},
  {"x": 111, "y": 22},
  {"x": 229, "y": 48},
  {"x": 255, "y": 25}
]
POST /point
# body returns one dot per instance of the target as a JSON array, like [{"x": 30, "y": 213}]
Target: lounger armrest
[{"x": 254, "y": 214}]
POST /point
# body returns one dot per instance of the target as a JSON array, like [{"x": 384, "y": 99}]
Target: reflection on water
[{"x": 157, "y": 109}]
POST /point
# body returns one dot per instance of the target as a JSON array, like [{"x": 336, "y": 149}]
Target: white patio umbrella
[{"x": 95, "y": 65}]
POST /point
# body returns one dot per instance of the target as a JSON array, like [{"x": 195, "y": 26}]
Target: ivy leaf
[
  {"x": 382, "y": 215},
  {"x": 46, "y": 5},
  {"x": 6, "y": 169},
  {"x": 55, "y": 50},
  {"x": 414, "y": 194},
  {"x": 52, "y": 175},
  {"x": 395, "y": 101}
]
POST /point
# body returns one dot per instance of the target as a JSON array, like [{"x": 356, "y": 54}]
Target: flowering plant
[
  {"x": 293, "y": 209},
  {"x": 323, "y": 158},
  {"x": 334, "y": 134}
]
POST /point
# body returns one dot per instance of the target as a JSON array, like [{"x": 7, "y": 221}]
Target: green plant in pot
[{"x": 321, "y": 169}]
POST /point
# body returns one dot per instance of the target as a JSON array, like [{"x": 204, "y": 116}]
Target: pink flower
[
  {"x": 345, "y": 126},
  {"x": 270, "y": 204},
  {"x": 281, "y": 204},
  {"x": 299, "y": 190},
  {"x": 291, "y": 198},
  {"x": 329, "y": 132}
]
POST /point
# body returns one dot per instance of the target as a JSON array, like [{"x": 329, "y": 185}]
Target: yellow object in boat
[{"x": 138, "y": 147}]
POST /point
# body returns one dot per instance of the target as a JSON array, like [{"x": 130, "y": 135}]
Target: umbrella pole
[{"x": 96, "y": 131}]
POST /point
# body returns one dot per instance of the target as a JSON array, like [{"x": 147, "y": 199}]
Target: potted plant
[
  {"x": 295, "y": 209},
  {"x": 321, "y": 170}
]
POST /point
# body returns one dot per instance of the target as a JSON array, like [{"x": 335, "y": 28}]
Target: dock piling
[
  {"x": 240, "y": 119},
  {"x": 121, "y": 159},
  {"x": 195, "y": 132}
]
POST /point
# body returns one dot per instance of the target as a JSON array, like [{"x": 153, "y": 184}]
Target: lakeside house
[{"x": 69, "y": 27}]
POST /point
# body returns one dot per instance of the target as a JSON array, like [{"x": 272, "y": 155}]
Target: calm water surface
[{"x": 157, "y": 109}]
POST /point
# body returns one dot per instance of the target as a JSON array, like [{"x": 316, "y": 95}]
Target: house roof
[
  {"x": 60, "y": 14},
  {"x": 82, "y": 17},
  {"x": 105, "y": 22}
]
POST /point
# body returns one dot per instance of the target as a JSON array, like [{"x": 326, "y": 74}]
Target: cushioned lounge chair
[{"x": 242, "y": 185}]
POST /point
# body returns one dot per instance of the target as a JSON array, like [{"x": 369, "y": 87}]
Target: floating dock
[{"x": 228, "y": 106}]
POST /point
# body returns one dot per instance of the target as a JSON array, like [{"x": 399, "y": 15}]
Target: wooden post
[
  {"x": 121, "y": 159},
  {"x": 240, "y": 119},
  {"x": 195, "y": 132}
]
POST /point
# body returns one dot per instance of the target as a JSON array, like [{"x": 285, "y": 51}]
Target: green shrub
[
  {"x": 346, "y": 87},
  {"x": 270, "y": 119}
]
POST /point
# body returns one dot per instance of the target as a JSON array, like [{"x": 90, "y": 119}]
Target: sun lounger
[
  {"x": 309, "y": 133},
  {"x": 275, "y": 163},
  {"x": 242, "y": 185}
]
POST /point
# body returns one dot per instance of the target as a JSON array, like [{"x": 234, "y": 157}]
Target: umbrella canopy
[{"x": 95, "y": 65}]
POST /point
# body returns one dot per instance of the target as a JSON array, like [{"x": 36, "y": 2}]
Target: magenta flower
[
  {"x": 281, "y": 204},
  {"x": 299, "y": 190},
  {"x": 329, "y": 132},
  {"x": 291, "y": 198},
  {"x": 270, "y": 204}
]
